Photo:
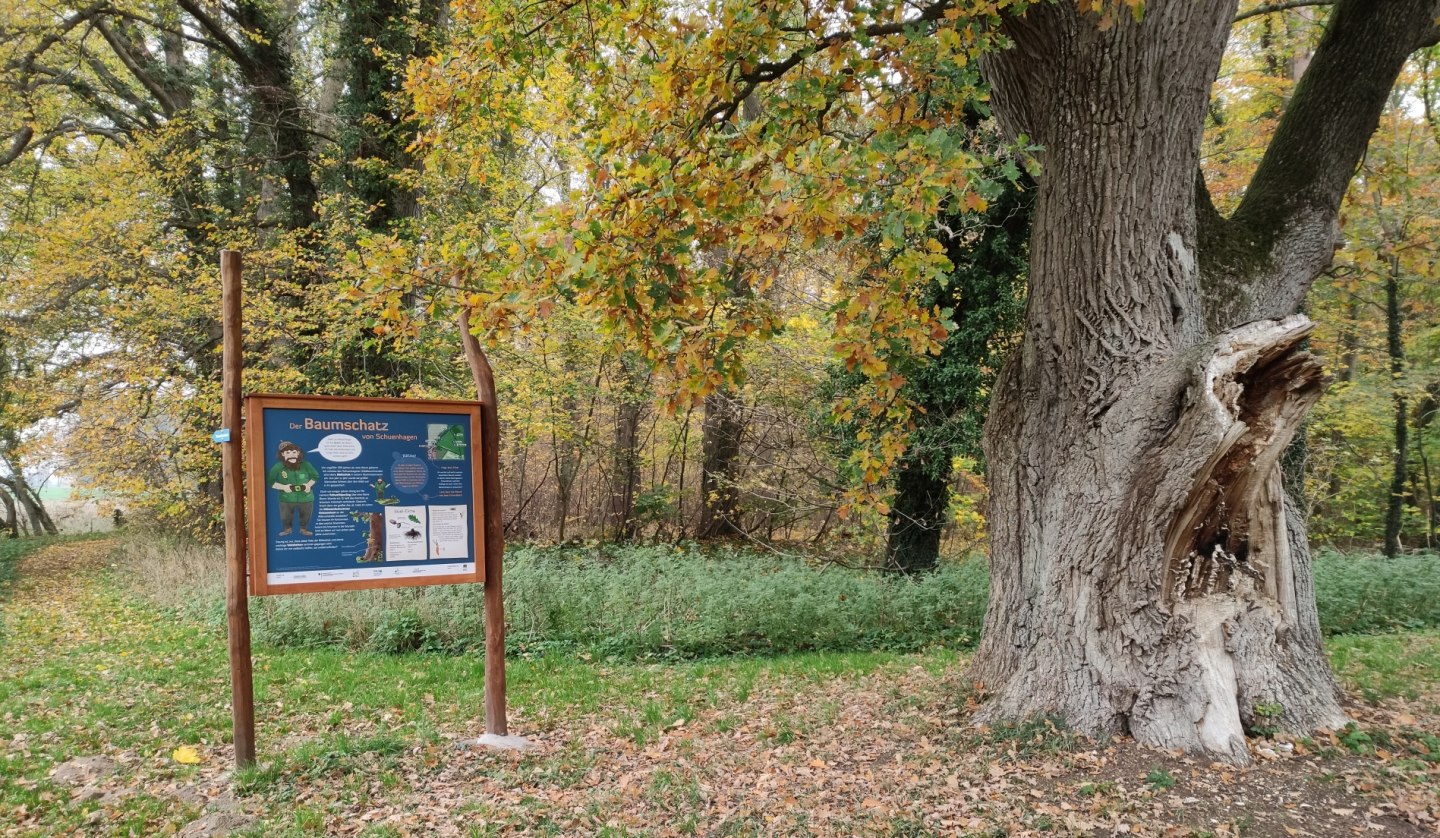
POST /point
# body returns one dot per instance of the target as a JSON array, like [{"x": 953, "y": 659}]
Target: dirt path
[{"x": 53, "y": 581}]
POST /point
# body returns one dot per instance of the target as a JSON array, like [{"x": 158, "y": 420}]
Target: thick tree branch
[
  {"x": 1294, "y": 197},
  {"x": 1335, "y": 109},
  {"x": 25, "y": 139},
  {"x": 217, "y": 30},
  {"x": 169, "y": 30},
  {"x": 1430, "y": 36},
  {"x": 52, "y": 38},
  {"x": 125, "y": 52},
  {"x": 118, "y": 88},
  {"x": 87, "y": 91},
  {"x": 18, "y": 144}
]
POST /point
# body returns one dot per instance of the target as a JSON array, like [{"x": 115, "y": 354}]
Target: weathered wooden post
[
  {"x": 497, "y": 728},
  {"x": 237, "y": 603}
]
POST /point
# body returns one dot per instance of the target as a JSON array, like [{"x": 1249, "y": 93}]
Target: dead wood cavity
[{"x": 1210, "y": 548}]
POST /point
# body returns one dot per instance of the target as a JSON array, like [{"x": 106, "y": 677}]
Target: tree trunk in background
[
  {"x": 11, "y": 521},
  {"x": 1148, "y": 574},
  {"x": 1350, "y": 343},
  {"x": 1425, "y": 413},
  {"x": 724, "y": 420},
  {"x": 1399, "y": 456},
  {"x": 567, "y": 469},
  {"x": 624, "y": 472},
  {"x": 917, "y": 515},
  {"x": 378, "y": 40},
  {"x": 263, "y": 57},
  {"x": 34, "y": 508},
  {"x": 625, "y": 452},
  {"x": 721, "y": 430},
  {"x": 985, "y": 293}
]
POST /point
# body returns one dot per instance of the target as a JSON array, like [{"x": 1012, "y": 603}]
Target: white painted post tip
[{"x": 496, "y": 742}]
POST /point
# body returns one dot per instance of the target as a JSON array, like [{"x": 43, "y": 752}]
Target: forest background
[{"x": 814, "y": 370}]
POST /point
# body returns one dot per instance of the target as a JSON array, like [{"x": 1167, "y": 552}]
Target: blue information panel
[{"x": 362, "y": 493}]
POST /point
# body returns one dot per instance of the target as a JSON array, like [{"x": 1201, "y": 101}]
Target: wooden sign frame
[{"x": 257, "y": 454}]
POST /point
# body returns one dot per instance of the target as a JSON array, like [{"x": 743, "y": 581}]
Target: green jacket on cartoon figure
[{"x": 295, "y": 480}]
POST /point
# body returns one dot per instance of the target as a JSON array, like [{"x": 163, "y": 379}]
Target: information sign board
[{"x": 362, "y": 493}]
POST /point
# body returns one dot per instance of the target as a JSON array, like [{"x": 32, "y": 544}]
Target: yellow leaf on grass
[{"x": 186, "y": 755}]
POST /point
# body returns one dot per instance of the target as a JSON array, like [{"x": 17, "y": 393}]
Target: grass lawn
[{"x": 819, "y": 744}]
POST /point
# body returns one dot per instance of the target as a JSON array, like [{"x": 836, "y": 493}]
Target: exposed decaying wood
[{"x": 1258, "y": 388}]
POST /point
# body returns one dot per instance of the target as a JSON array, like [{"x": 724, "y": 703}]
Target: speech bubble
[{"x": 338, "y": 448}]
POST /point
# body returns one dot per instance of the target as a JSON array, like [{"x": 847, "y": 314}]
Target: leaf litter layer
[{"x": 832, "y": 744}]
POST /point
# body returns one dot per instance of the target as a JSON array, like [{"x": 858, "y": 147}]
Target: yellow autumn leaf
[{"x": 186, "y": 755}]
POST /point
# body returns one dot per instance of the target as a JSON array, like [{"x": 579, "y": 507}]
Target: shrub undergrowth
[
  {"x": 665, "y": 602},
  {"x": 1361, "y": 594}
]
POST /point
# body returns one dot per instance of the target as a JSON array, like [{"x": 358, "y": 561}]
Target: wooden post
[
  {"x": 495, "y": 722},
  {"x": 237, "y": 603}
]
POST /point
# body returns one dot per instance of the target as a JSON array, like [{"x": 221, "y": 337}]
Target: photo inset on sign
[
  {"x": 405, "y": 530},
  {"x": 449, "y": 531},
  {"x": 446, "y": 442}
]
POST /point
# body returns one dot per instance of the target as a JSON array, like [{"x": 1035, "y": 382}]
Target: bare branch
[
  {"x": 1284, "y": 5},
  {"x": 769, "y": 71}
]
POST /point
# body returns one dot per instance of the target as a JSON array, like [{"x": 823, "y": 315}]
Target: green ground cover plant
[
  {"x": 1366, "y": 592},
  {"x": 663, "y": 602},
  {"x": 139, "y": 679},
  {"x": 628, "y": 602}
]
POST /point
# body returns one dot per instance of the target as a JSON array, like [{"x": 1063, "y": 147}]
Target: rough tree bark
[
  {"x": 10, "y": 521},
  {"x": 624, "y": 472},
  {"x": 1400, "y": 456},
  {"x": 721, "y": 430},
  {"x": 1148, "y": 573}
]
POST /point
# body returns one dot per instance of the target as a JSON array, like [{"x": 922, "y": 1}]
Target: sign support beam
[
  {"x": 237, "y": 603},
  {"x": 497, "y": 728}
]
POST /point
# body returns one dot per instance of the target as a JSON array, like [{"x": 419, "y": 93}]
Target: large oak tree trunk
[{"x": 1148, "y": 573}]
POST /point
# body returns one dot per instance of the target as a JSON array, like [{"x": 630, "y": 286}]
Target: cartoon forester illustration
[{"x": 295, "y": 480}]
